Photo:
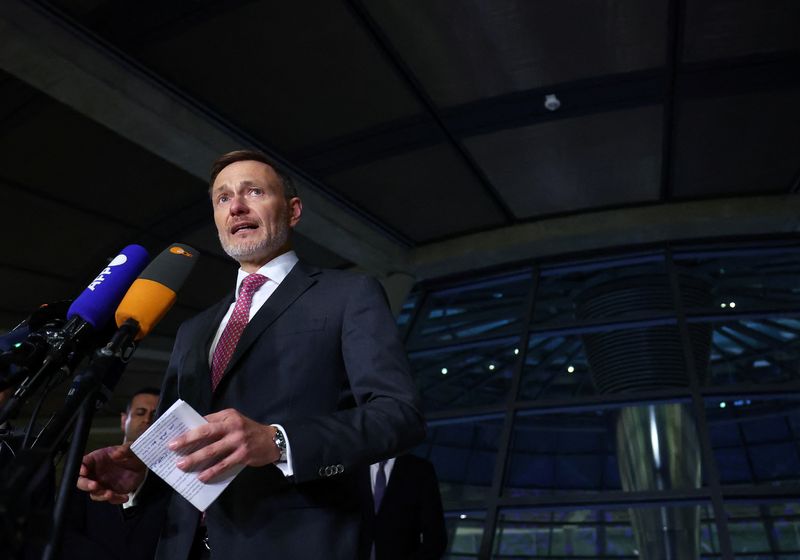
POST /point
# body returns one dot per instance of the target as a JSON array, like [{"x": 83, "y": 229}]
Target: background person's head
[{"x": 139, "y": 414}]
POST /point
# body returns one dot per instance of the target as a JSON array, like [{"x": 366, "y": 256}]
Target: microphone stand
[{"x": 90, "y": 389}]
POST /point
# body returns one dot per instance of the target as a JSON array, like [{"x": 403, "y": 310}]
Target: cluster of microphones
[
  {"x": 55, "y": 339},
  {"x": 44, "y": 350}
]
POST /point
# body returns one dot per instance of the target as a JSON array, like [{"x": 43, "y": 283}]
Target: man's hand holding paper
[{"x": 228, "y": 440}]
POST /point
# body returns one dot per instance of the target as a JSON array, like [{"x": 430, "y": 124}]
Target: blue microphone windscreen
[{"x": 98, "y": 302}]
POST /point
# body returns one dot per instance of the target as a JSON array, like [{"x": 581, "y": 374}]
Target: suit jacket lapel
[
  {"x": 195, "y": 386},
  {"x": 299, "y": 279}
]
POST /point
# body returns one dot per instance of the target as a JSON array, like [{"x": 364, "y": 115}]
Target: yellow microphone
[{"x": 153, "y": 293}]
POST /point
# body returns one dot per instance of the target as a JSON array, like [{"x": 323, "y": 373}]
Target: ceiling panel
[
  {"x": 425, "y": 194},
  {"x": 745, "y": 144},
  {"x": 732, "y": 28},
  {"x": 293, "y": 74},
  {"x": 575, "y": 164},
  {"x": 50, "y": 149},
  {"x": 27, "y": 290},
  {"x": 462, "y": 51},
  {"x": 41, "y": 235}
]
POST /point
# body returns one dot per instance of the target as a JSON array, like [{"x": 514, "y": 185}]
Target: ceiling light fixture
[{"x": 551, "y": 102}]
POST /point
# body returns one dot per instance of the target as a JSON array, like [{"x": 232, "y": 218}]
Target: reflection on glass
[
  {"x": 484, "y": 308},
  {"x": 407, "y": 312},
  {"x": 465, "y": 375},
  {"x": 657, "y": 450},
  {"x": 756, "y": 351},
  {"x": 562, "y": 453},
  {"x": 753, "y": 278},
  {"x": 463, "y": 452},
  {"x": 643, "y": 448},
  {"x": 555, "y": 368},
  {"x": 464, "y": 532},
  {"x": 562, "y": 291},
  {"x": 755, "y": 441},
  {"x": 771, "y": 530},
  {"x": 590, "y": 533}
]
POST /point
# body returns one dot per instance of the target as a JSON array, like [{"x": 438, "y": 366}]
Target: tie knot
[{"x": 251, "y": 283}]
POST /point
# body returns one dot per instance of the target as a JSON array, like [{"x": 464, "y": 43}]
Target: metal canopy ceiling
[{"x": 418, "y": 130}]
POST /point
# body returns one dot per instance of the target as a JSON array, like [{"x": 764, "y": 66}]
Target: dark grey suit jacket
[{"x": 322, "y": 358}]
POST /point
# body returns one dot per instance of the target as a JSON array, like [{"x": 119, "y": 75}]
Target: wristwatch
[{"x": 280, "y": 443}]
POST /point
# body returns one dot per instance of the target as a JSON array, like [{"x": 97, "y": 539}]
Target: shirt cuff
[
  {"x": 285, "y": 466},
  {"x": 133, "y": 495}
]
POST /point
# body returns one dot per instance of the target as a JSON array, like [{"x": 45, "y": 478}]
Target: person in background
[
  {"x": 403, "y": 513},
  {"x": 105, "y": 531}
]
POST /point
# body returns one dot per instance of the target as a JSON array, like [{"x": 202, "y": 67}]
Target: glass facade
[{"x": 641, "y": 405}]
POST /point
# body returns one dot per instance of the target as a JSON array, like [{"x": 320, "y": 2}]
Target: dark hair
[
  {"x": 142, "y": 391},
  {"x": 223, "y": 161}
]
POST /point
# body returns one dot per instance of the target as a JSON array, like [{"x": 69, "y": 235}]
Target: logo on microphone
[
  {"x": 116, "y": 261},
  {"x": 179, "y": 251}
]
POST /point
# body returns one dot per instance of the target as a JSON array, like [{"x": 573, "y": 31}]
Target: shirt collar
[{"x": 276, "y": 270}]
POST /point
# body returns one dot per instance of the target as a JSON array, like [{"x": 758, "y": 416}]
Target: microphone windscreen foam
[
  {"x": 97, "y": 302},
  {"x": 154, "y": 292}
]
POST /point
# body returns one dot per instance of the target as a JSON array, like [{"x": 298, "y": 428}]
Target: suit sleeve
[{"x": 387, "y": 419}]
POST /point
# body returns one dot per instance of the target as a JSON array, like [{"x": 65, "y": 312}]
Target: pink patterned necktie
[{"x": 234, "y": 328}]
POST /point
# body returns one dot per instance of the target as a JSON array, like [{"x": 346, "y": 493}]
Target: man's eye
[
  {"x": 223, "y": 198},
  {"x": 256, "y": 191}
]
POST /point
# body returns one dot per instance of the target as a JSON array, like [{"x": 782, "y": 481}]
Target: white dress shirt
[
  {"x": 373, "y": 472},
  {"x": 275, "y": 270}
]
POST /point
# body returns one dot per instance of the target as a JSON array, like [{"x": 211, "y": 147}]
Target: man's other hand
[{"x": 111, "y": 473}]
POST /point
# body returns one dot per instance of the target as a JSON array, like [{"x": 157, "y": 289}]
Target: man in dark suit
[
  {"x": 404, "y": 519},
  {"x": 104, "y": 531},
  {"x": 302, "y": 378}
]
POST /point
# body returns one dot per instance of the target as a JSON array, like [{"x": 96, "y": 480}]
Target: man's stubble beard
[{"x": 267, "y": 245}]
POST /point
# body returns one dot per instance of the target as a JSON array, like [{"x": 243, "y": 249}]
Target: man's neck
[{"x": 252, "y": 266}]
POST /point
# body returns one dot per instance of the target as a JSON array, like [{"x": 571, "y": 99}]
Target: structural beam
[
  {"x": 599, "y": 231},
  {"x": 79, "y": 71}
]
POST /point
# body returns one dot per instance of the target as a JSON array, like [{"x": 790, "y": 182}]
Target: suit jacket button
[
  {"x": 328, "y": 470},
  {"x": 339, "y": 469},
  {"x": 322, "y": 471}
]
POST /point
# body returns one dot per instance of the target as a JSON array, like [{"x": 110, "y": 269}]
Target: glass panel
[
  {"x": 753, "y": 278},
  {"x": 465, "y": 375},
  {"x": 483, "y": 308},
  {"x": 756, "y": 441},
  {"x": 629, "y": 357},
  {"x": 463, "y": 452},
  {"x": 668, "y": 532},
  {"x": 464, "y": 534},
  {"x": 764, "y": 530},
  {"x": 631, "y": 287},
  {"x": 644, "y": 448},
  {"x": 407, "y": 312},
  {"x": 749, "y": 351}
]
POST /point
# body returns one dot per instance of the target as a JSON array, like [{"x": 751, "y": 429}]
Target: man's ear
[
  {"x": 123, "y": 417},
  {"x": 295, "y": 210}
]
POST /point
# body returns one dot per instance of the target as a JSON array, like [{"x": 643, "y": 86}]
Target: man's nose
[{"x": 238, "y": 205}]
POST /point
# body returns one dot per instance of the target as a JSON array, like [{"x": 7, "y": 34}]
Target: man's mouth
[{"x": 243, "y": 227}]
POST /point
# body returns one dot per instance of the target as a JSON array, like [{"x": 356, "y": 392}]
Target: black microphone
[
  {"x": 89, "y": 313},
  {"x": 24, "y": 347}
]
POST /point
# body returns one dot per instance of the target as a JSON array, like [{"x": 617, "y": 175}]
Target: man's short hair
[
  {"x": 142, "y": 391},
  {"x": 289, "y": 188}
]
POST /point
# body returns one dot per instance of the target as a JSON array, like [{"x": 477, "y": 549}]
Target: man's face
[
  {"x": 140, "y": 416},
  {"x": 252, "y": 216}
]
